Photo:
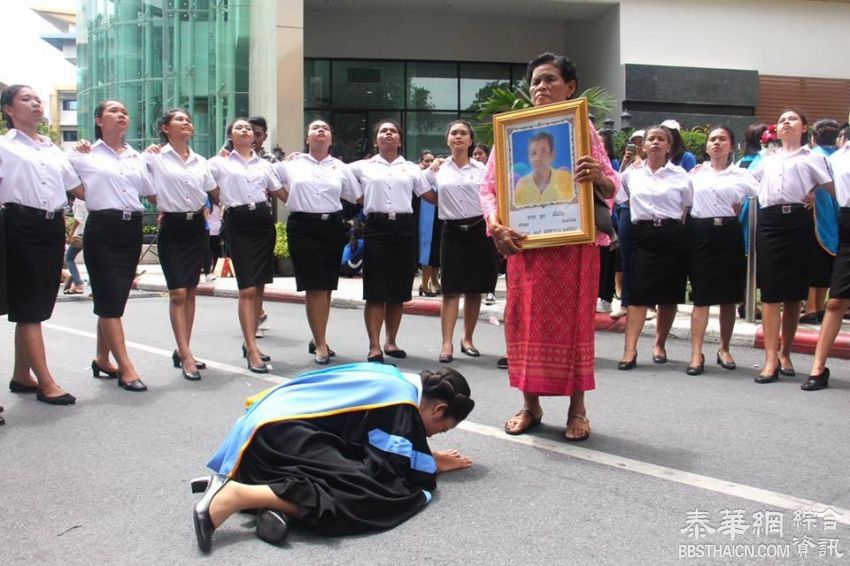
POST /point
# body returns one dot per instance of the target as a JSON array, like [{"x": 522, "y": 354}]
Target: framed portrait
[{"x": 537, "y": 150}]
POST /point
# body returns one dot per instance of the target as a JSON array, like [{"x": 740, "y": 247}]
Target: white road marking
[{"x": 771, "y": 498}]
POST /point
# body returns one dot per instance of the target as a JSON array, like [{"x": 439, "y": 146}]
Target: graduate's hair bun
[{"x": 449, "y": 386}]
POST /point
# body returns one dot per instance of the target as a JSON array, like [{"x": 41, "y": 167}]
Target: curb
[{"x": 804, "y": 343}]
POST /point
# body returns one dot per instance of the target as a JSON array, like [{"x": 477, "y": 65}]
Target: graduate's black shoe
[
  {"x": 263, "y": 357},
  {"x": 502, "y": 363},
  {"x": 16, "y": 387},
  {"x": 772, "y": 378},
  {"x": 175, "y": 359},
  {"x": 137, "y": 385},
  {"x": 311, "y": 349},
  {"x": 724, "y": 364},
  {"x": 201, "y": 515},
  {"x": 398, "y": 354},
  {"x": 787, "y": 372},
  {"x": 64, "y": 399},
  {"x": 272, "y": 526},
  {"x": 696, "y": 370},
  {"x": 96, "y": 370}
]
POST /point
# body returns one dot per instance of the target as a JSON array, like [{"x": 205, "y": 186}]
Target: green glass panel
[
  {"x": 426, "y": 130},
  {"x": 317, "y": 83},
  {"x": 477, "y": 82},
  {"x": 368, "y": 84}
]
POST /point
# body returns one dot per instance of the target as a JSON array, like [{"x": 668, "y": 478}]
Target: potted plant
[{"x": 281, "y": 251}]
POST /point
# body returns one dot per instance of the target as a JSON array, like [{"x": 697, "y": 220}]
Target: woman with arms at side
[
  {"x": 787, "y": 179},
  {"x": 313, "y": 184},
  {"x": 183, "y": 181},
  {"x": 243, "y": 178},
  {"x": 469, "y": 260},
  {"x": 34, "y": 176},
  {"x": 839, "y": 289},
  {"x": 716, "y": 262},
  {"x": 342, "y": 450},
  {"x": 551, "y": 300},
  {"x": 388, "y": 182},
  {"x": 115, "y": 179},
  {"x": 659, "y": 196}
]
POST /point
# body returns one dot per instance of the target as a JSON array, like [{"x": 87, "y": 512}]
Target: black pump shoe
[
  {"x": 773, "y": 378},
  {"x": 191, "y": 375},
  {"x": 16, "y": 387},
  {"x": 724, "y": 364},
  {"x": 817, "y": 382},
  {"x": 696, "y": 370},
  {"x": 96, "y": 370},
  {"x": 262, "y": 368},
  {"x": 626, "y": 366},
  {"x": 175, "y": 359},
  {"x": 471, "y": 351},
  {"x": 136, "y": 386},
  {"x": 263, "y": 357},
  {"x": 311, "y": 349},
  {"x": 271, "y": 526},
  {"x": 204, "y": 528}
]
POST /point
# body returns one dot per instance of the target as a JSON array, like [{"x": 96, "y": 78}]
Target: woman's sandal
[
  {"x": 526, "y": 421},
  {"x": 582, "y": 419}
]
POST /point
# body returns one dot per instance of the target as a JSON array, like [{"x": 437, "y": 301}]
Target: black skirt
[
  {"x": 839, "y": 287},
  {"x": 315, "y": 245},
  {"x": 111, "y": 249},
  {"x": 35, "y": 247},
  {"x": 251, "y": 235},
  {"x": 340, "y": 482},
  {"x": 470, "y": 263},
  {"x": 717, "y": 265},
  {"x": 820, "y": 272},
  {"x": 4, "y": 302},
  {"x": 389, "y": 258},
  {"x": 783, "y": 252},
  {"x": 659, "y": 263},
  {"x": 436, "y": 252},
  {"x": 183, "y": 247}
]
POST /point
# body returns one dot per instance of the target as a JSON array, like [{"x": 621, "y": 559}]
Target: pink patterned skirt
[{"x": 549, "y": 319}]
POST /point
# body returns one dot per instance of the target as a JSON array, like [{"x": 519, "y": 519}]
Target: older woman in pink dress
[{"x": 551, "y": 299}]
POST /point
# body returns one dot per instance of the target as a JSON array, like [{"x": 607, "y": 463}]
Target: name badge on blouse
[
  {"x": 190, "y": 215},
  {"x": 718, "y": 222},
  {"x": 252, "y": 206},
  {"x": 126, "y": 215},
  {"x": 786, "y": 209}
]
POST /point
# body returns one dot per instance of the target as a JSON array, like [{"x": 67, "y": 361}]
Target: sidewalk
[{"x": 349, "y": 295}]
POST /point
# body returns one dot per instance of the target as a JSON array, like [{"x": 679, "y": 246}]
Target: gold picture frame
[{"x": 526, "y": 142}]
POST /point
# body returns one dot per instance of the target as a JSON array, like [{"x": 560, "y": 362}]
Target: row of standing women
[
  {"x": 685, "y": 226},
  {"x": 112, "y": 178}
]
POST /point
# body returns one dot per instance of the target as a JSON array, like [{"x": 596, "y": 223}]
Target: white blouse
[
  {"x": 389, "y": 187},
  {"x": 653, "y": 196},
  {"x": 458, "y": 189},
  {"x": 786, "y": 178},
  {"x": 717, "y": 192},
  {"x": 113, "y": 181},
  {"x": 840, "y": 163},
  {"x": 34, "y": 173},
  {"x": 317, "y": 186},
  {"x": 243, "y": 182},
  {"x": 181, "y": 186}
]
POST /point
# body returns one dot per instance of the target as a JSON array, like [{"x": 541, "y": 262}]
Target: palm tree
[{"x": 600, "y": 101}]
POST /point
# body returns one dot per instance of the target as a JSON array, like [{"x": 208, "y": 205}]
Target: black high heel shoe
[
  {"x": 424, "y": 293},
  {"x": 263, "y": 356},
  {"x": 471, "y": 351},
  {"x": 697, "y": 370},
  {"x": 96, "y": 370},
  {"x": 773, "y": 378},
  {"x": 204, "y": 527},
  {"x": 626, "y": 366},
  {"x": 16, "y": 387},
  {"x": 178, "y": 363},
  {"x": 311, "y": 349},
  {"x": 272, "y": 526},
  {"x": 817, "y": 382},
  {"x": 136, "y": 386},
  {"x": 724, "y": 364}
]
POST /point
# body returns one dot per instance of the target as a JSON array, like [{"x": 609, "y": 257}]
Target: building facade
[{"x": 355, "y": 62}]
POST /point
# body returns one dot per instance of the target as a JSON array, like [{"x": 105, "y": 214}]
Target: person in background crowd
[
  {"x": 839, "y": 288},
  {"x": 314, "y": 185},
  {"x": 787, "y": 177},
  {"x": 244, "y": 180},
  {"x": 75, "y": 285},
  {"x": 184, "y": 185},
  {"x": 752, "y": 144},
  {"x": 213, "y": 216},
  {"x": 659, "y": 194},
  {"x": 115, "y": 180},
  {"x": 549, "y": 314},
  {"x": 430, "y": 229},
  {"x": 34, "y": 234},
  {"x": 824, "y": 238},
  {"x": 633, "y": 154},
  {"x": 679, "y": 155},
  {"x": 609, "y": 256},
  {"x": 481, "y": 153},
  {"x": 388, "y": 182},
  {"x": 468, "y": 257},
  {"x": 261, "y": 134},
  {"x": 717, "y": 265}
]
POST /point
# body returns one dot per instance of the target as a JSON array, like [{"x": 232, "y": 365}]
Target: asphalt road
[{"x": 106, "y": 481}]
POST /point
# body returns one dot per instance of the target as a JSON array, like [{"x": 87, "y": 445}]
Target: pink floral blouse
[{"x": 597, "y": 150}]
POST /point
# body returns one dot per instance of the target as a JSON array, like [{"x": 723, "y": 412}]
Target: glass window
[
  {"x": 426, "y": 130},
  {"x": 477, "y": 82},
  {"x": 69, "y": 135},
  {"x": 368, "y": 84},
  {"x": 517, "y": 73},
  {"x": 432, "y": 86},
  {"x": 317, "y": 84},
  {"x": 69, "y": 105}
]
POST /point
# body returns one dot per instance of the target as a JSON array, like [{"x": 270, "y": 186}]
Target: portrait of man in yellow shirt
[{"x": 545, "y": 184}]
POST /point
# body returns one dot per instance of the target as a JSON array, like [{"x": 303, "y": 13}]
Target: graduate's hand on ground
[{"x": 449, "y": 460}]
